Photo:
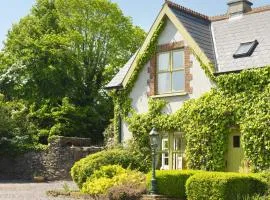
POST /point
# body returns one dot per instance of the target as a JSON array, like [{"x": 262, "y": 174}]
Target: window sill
[{"x": 170, "y": 95}]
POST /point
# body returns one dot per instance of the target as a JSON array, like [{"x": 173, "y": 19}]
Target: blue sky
[{"x": 143, "y": 12}]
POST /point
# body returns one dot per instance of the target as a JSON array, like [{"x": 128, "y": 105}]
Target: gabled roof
[
  {"x": 166, "y": 11},
  {"x": 213, "y": 39},
  {"x": 198, "y": 26},
  {"x": 229, "y": 33},
  {"x": 117, "y": 80}
]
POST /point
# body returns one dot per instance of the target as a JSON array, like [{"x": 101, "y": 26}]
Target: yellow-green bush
[
  {"x": 86, "y": 166},
  {"x": 172, "y": 182},
  {"x": 223, "y": 186},
  {"x": 108, "y": 176}
]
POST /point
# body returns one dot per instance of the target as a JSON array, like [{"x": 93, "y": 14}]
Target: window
[
  {"x": 172, "y": 150},
  {"x": 245, "y": 49},
  {"x": 236, "y": 141},
  {"x": 165, "y": 154},
  {"x": 170, "y": 72}
]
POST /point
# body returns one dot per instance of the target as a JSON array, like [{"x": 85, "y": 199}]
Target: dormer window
[
  {"x": 171, "y": 72},
  {"x": 245, "y": 49}
]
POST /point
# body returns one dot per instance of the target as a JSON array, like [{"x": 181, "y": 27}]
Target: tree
[{"x": 68, "y": 49}]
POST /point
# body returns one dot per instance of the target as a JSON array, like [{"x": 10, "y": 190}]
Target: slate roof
[
  {"x": 198, "y": 26},
  {"x": 117, "y": 80},
  {"x": 229, "y": 33},
  {"x": 219, "y": 37}
]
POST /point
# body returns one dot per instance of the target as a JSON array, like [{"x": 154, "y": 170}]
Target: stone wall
[{"x": 53, "y": 164}]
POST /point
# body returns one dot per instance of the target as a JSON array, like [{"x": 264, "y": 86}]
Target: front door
[{"x": 235, "y": 153}]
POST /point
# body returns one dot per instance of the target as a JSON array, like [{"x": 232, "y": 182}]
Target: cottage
[{"x": 188, "y": 43}]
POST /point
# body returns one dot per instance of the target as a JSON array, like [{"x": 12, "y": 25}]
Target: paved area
[{"x": 31, "y": 191}]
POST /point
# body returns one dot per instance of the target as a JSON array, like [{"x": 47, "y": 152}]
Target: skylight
[{"x": 245, "y": 49}]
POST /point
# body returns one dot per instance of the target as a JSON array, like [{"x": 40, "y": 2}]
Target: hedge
[
  {"x": 223, "y": 186},
  {"x": 171, "y": 183},
  {"x": 85, "y": 167}
]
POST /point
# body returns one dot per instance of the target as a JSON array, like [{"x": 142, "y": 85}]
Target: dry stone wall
[{"x": 52, "y": 164}]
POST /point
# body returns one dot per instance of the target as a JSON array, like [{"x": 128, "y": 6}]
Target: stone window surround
[{"x": 152, "y": 82}]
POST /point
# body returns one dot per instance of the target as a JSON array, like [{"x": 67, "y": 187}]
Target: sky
[{"x": 143, "y": 12}]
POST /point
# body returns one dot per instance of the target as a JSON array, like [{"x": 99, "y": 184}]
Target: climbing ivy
[
  {"x": 122, "y": 102},
  {"x": 240, "y": 101}
]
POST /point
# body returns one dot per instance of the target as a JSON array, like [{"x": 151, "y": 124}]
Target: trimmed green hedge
[
  {"x": 85, "y": 167},
  {"x": 265, "y": 176},
  {"x": 171, "y": 183},
  {"x": 223, "y": 186}
]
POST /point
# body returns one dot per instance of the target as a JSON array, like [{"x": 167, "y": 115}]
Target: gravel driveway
[{"x": 31, "y": 191}]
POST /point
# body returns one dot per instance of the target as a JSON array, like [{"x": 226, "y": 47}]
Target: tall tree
[{"x": 65, "y": 51}]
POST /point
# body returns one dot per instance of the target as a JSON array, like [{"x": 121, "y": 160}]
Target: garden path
[{"x": 10, "y": 190}]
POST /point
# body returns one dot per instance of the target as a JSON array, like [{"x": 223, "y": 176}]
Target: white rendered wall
[
  {"x": 170, "y": 34},
  {"x": 125, "y": 133},
  {"x": 139, "y": 92},
  {"x": 200, "y": 83}
]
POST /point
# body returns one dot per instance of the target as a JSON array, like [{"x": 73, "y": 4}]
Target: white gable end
[
  {"x": 170, "y": 34},
  {"x": 200, "y": 82}
]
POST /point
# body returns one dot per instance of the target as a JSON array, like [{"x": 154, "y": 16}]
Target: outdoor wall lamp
[{"x": 154, "y": 142}]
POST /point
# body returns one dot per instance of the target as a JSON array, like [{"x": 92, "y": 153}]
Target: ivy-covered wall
[{"x": 239, "y": 100}]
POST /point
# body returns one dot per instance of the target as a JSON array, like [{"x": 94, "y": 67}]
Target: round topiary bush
[{"x": 86, "y": 166}]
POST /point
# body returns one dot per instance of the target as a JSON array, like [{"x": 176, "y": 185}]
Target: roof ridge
[
  {"x": 254, "y": 10},
  {"x": 259, "y": 9},
  {"x": 187, "y": 10}
]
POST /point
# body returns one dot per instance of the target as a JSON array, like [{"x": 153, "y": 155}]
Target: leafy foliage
[
  {"x": 223, "y": 186},
  {"x": 17, "y": 133},
  {"x": 108, "y": 176},
  {"x": 239, "y": 101},
  {"x": 58, "y": 59},
  {"x": 87, "y": 166},
  {"x": 67, "y": 119}
]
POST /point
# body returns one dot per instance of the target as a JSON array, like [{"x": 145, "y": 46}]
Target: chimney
[{"x": 239, "y": 7}]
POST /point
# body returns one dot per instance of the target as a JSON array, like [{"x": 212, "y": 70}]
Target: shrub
[
  {"x": 86, "y": 166},
  {"x": 108, "y": 176},
  {"x": 265, "y": 176},
  {"x": 223, "y": 186},
  {"x": 127, "y": 191},
  {"x": 171, "y": 182},
  {"x": 256, "y": 197}
]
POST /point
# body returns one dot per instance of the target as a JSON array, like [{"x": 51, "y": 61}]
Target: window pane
[
  {"x": 177, "y": 143},
  {"x": 164, "y": 83},
  {"x": 178, "y": 81},
  {"x": 166, "y": 161},
  {"x": 244, "y": 48},
  {"x": 236, "y": 141},
  {"x": 165, "y": 145},
  {"x": 178, "y": 59},
  {"x": 177, "y": 161},
  {"x": 163, "y": 61}
]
